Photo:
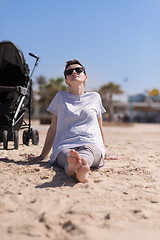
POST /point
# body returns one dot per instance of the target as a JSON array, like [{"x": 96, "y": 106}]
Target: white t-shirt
[{"x": 77, "y": 122}]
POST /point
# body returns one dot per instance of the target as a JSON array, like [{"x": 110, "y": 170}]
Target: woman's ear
[
  {"x": 85, "y": 80},
  {"x": 66, "y": 82}
]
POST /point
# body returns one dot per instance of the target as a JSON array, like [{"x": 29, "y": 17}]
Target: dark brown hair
[{"x": 71, "y": 62}]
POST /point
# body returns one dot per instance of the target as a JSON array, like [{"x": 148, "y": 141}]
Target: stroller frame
[{"x": 22, "y": 99}]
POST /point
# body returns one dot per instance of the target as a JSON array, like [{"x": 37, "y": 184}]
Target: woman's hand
[
  {"x": 35, "y": 159},
  {"x": 112, "y": 157}
]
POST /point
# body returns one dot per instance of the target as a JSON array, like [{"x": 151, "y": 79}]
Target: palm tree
[
  {"x": 47, "y": 91},
  {"x": 106, "y": 92},
  {"x": 54, "y": 86}
]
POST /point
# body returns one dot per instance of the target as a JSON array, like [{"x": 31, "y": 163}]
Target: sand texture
[{"x": 121, "y": 201}]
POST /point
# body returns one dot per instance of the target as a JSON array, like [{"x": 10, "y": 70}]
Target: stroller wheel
[
  {"x": 16, "y": 139},
  {"x": 25, "y": 138},
  {"x": 35, "y": 137},
  {"x": 5, "y": 139}
]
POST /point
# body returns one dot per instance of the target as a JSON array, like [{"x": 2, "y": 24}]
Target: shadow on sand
[{"x": 59, "y": 179}]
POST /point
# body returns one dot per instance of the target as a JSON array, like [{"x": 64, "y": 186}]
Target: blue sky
[{"x": 114, "y": 39}]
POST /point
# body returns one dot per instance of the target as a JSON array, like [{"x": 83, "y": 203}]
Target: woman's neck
[{"x": 78, "y": 90}]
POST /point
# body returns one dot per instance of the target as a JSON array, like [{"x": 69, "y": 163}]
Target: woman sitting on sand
[{"x": 76, "y": 131}]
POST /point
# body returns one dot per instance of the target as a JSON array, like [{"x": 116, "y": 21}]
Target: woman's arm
[
  {"x": 48, "y": 141},
  {"x": 102, "y": 132},
  {"x": 101, "y": 129},
  {"x": 49, "y": 137}
]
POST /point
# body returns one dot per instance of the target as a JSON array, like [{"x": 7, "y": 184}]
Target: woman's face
[{"x": 76, "y": 76}]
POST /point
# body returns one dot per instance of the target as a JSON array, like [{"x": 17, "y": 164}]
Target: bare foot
[
  {"x": 82, "y": 171},
  {"x": 74, "y": 162}
]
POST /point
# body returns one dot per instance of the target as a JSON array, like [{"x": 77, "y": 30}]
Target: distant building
[{"x": 139, "y": 108}]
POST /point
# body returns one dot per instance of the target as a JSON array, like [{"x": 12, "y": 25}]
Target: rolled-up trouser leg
[{"x": 90, "y": 152}]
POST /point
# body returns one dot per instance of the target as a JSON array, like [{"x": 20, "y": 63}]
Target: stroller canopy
[
  {"x": 12, "y": 65},
  {"x": 11, "y": 54}
]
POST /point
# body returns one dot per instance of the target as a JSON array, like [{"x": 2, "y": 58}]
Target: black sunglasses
[{"x": 70, "y": 71}]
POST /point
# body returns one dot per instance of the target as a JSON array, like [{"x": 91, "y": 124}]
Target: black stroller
[{"x": 15, "y": 96}]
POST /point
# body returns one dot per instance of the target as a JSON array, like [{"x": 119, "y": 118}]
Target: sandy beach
[{"x": 121, "y": 201}]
